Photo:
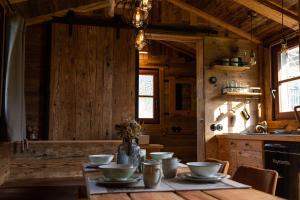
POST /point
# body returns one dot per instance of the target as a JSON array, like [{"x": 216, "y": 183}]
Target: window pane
[
  {"x": 289, "y": 96},
  {"x": 146, "y": 108},
  {"x": 289, "y": 67},
  {"x": 146, "y": 85}
]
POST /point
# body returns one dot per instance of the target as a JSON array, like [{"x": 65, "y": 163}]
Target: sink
[{"x": 257, "y": 133}]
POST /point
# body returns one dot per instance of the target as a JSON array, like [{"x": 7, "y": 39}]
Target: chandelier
[{"x": 136, "y": 13}]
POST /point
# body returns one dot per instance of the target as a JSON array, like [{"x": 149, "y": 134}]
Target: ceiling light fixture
[{"x": 136, "y": 13}]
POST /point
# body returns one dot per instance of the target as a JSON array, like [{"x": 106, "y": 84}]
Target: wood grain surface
[
  {"x": 155, "y": 196},
  {"x": 195, "y": 195},
  {"x": 241, "y": 194},
  {"x": 92, "y": 82}
]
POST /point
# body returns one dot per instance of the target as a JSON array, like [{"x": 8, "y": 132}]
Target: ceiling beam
[
  {"x": 270, "y": 13},
  {"x": 181, "y": 50},
  {"x": 82, "y": 8},
  {"x": 16, "y": 1},
  {"x": 196, "y": 11},
  {"x": 172, "y": 37},
  {"x": 279, "y": 7}
]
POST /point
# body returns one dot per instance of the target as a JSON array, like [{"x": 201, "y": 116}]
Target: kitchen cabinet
[{"x": 241, "y": 152}]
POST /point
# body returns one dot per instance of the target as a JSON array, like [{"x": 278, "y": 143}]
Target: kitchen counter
[{"x": 284, "y": 138}]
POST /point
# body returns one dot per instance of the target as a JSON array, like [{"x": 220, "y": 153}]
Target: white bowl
[
  {"x": 206, "y": 169},
  {"x": 101, "y": 159},
  {"x": 161, "y": 155},
  {"x": 118, "y": 172}
]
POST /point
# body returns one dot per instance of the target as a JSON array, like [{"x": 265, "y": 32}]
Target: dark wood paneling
[
  {"x": 92, "y": 81},
  {"x": 4, "y": 162},
  {"x": 37, "y": 71}
]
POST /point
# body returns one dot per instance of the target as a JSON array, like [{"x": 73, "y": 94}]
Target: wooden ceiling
[{"x": 229, "y": 17}]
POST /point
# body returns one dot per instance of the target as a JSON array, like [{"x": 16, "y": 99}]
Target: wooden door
[{"x": 92, "y": 80}]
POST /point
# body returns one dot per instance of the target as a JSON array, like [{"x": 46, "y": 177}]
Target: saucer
[
  {"x": 201, "y": 179},
  {"x": 109, "y": 182}
]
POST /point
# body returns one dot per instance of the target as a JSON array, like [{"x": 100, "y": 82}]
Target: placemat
[
  {"x": 93, "y": 188},
  {"x": 182, "y": 185},
  {"x": 165, "y": 186}
]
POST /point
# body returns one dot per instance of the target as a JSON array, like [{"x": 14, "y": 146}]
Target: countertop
[{"x": 286, "y": 138}]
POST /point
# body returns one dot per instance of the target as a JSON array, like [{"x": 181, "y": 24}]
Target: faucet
[{"x": 262, "y": 127}]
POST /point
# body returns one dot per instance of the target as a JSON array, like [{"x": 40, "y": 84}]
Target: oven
[{"x": 284, "y": 157}]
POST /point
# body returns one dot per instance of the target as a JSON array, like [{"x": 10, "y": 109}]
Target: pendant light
[
  {"x": 284, "y": 44},
  {"x": 252, "y": 60},
  {"x": 136, "y": 14},
  {"x": 140, "y": 42}
]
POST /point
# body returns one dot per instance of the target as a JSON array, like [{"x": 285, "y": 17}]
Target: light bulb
[
  {"x": 252, "y": 58},
  {"x": 140, "y": 40},
  {"x": 138, "y": 16},
  {"x": 145, "y": 5},
  {"x": 145, "y": 2}
]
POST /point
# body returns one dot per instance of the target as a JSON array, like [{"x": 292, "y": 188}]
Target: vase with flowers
[{"x": 129, "y": 150}]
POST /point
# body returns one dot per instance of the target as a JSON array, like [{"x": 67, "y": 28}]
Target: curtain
[{"x": 14, "y": 95}]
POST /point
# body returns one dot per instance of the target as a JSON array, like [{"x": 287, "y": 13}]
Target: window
[
  {"x": 286, "y": 80},
  {"x": 148, "y": 104}
]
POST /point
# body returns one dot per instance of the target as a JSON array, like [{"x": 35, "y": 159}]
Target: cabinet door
[{"x": 228, "y": 151}]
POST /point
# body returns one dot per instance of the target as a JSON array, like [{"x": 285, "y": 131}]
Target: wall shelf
[
  {"x": 254, "y": 95},
  {"x": 230, "y": 68}
]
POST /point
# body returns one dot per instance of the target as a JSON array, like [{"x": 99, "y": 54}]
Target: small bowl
[
  {"x": 161, "y": 155},
  {"x": 101, "y": 159},
  {"x": 119, "y": 172},
  {"x": 206, "y": 169}
]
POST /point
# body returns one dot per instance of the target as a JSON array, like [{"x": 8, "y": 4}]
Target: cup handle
[{"x": 160, "y": 176}]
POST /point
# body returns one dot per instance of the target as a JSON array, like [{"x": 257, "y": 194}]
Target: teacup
[
  {"x": 152, "y": 173},
  {"x": 169, "y": 166}
]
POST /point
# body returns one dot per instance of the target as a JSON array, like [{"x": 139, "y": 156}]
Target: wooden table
[{"x": 224, "y": 194}]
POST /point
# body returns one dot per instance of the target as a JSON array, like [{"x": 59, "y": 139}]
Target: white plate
[
  {"x": 201, "y": 179},
  {"x": 117, "y": 183}
]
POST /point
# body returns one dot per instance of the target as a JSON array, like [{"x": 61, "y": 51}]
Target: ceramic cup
[
  {"x": 152, "y": 173},
  {"x": 169, "y": 167}
]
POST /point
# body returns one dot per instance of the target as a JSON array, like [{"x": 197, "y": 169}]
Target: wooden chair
[
  {"x": 261, "y": 179},
  {"x": 225, "y": 165}
]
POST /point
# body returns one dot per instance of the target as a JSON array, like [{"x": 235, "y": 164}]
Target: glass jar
[{"x": 129, "y": 152}]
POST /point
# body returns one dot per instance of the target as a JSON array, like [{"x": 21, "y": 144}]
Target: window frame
[
  {"x": 156, "y": 102},
  {"x": 276, "y": 50}
]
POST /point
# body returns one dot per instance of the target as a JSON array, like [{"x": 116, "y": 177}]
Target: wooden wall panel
[
  {"x": 215, "y": 103},
  {"x": 4, "y": 162},
  {"x": 49, "y": 159},
  {"x": 92, "y": 81},
  {"x": 37, "y": 70}
]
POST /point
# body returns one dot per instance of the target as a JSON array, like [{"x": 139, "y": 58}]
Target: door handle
[{"x": 273, "y": 91}]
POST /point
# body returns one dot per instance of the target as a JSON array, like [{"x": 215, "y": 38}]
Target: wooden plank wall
[
  {"x": 172, "y": 66},
  {"x": 54, "y": 159},
  {"x": 37, "y": 73},
  {"x": 215, "y": 103},
  {"x": 4, "y": 161},
  {"x": 92, "y": 81}
]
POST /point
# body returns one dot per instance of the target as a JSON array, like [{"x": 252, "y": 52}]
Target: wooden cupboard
[{"x": 241, "y": 152}]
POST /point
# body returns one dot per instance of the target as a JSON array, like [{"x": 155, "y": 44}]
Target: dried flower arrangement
[{"x": 129, "y": 130}]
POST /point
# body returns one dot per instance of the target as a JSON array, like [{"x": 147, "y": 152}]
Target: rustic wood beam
[
  {"x": 279, "y": 7},
  {"x": 183, "y": 51},
  {"x": 196, "y": 11},
  {"x": 82, "y": 8},
  {"x": 270, "y": 13},
  {"x": 172, "y": 37},
  {"x": 16, "y": 1}
]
